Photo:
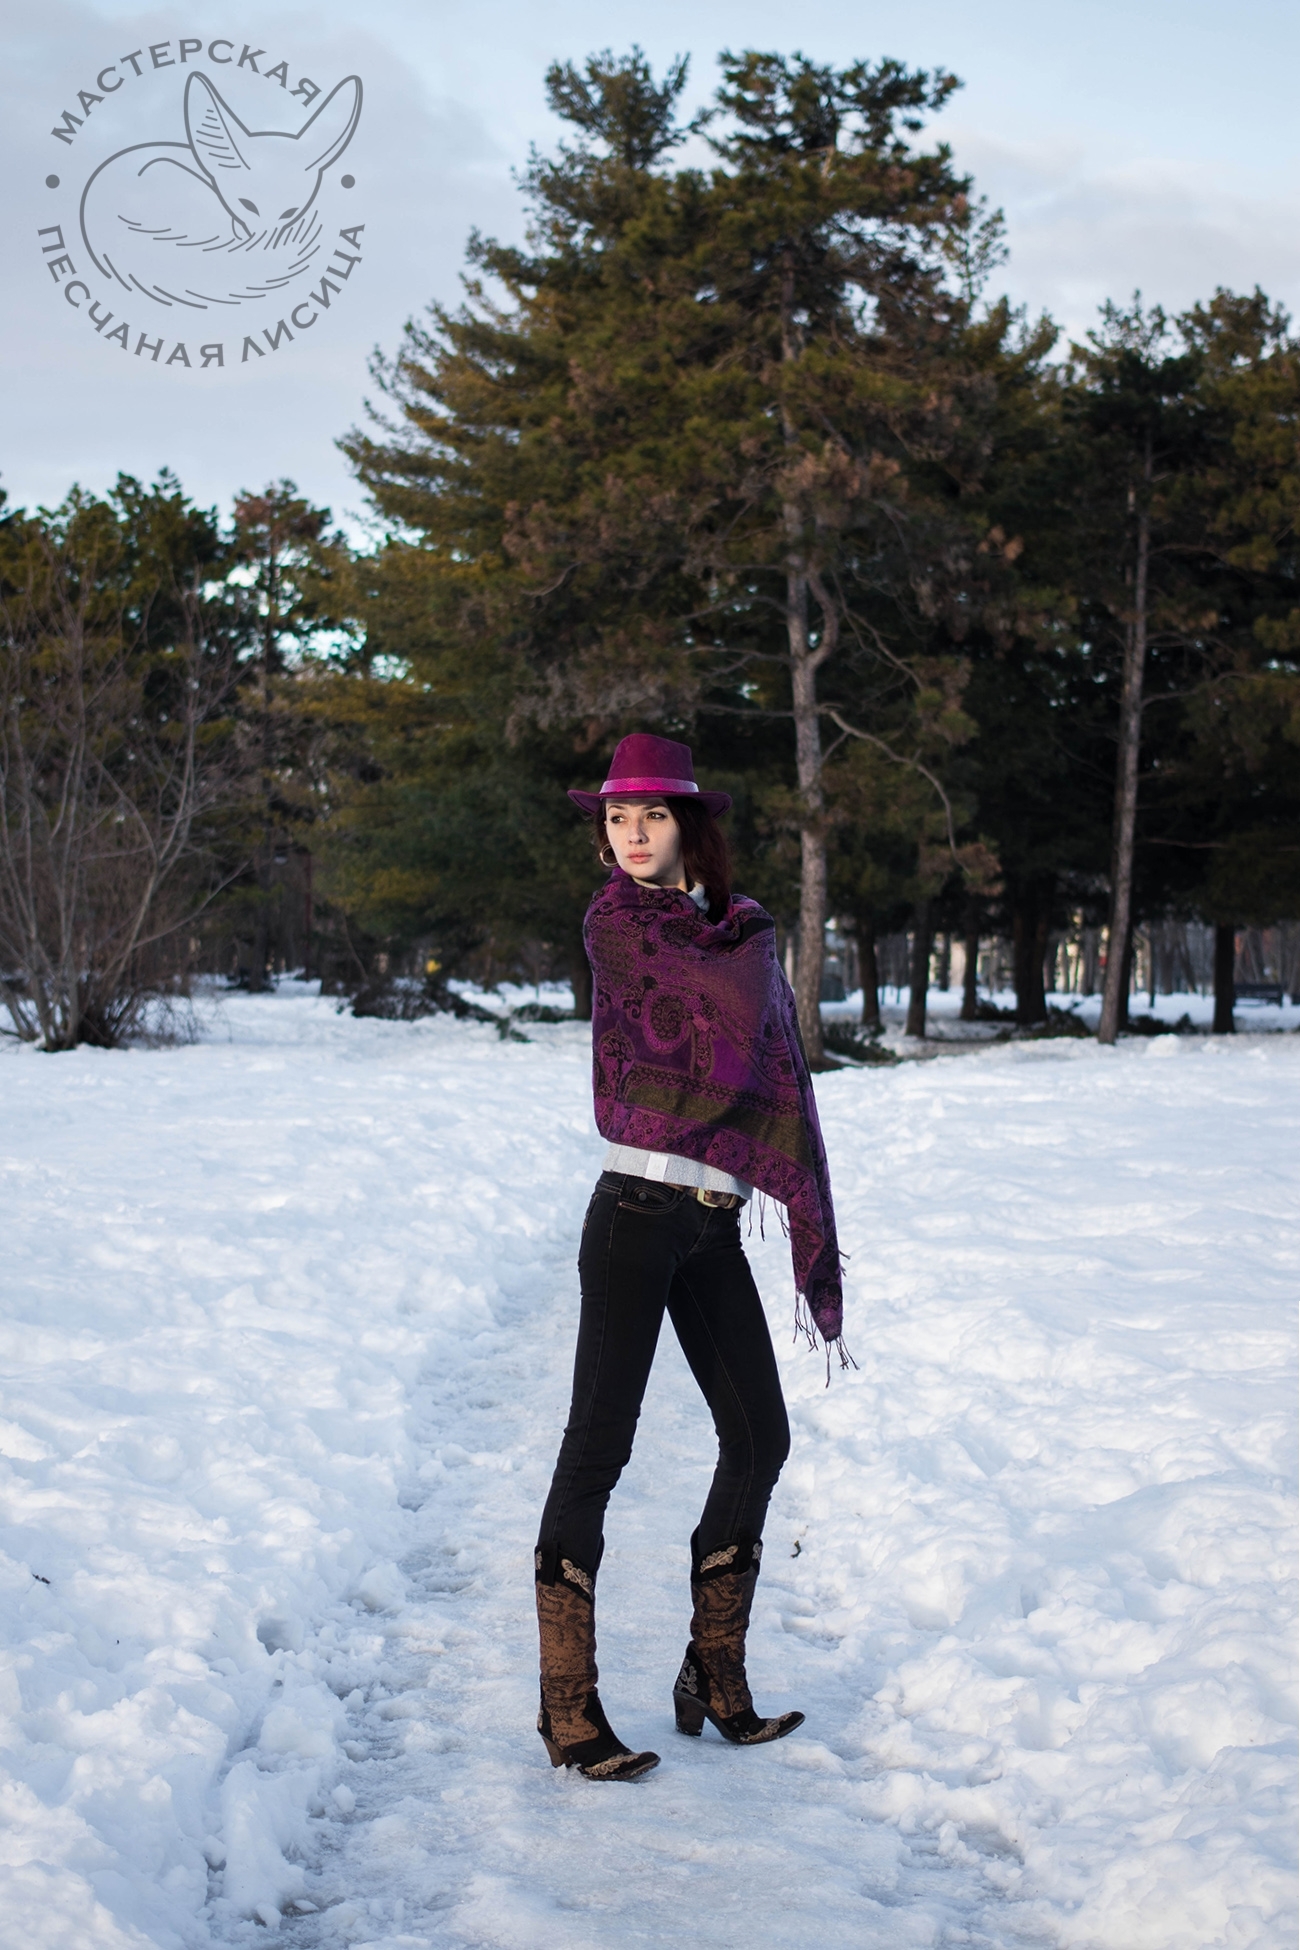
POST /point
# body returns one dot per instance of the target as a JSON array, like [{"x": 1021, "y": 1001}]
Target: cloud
[
  {"x": 426, "y": 170},
  {"x": 453, "y": 97},
  {"x": 1081, "y": 231}
]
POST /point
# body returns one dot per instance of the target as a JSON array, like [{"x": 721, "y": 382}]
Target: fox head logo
[
  {"x": 225, "y": 216},
  {"x": 265, "y": 174}
]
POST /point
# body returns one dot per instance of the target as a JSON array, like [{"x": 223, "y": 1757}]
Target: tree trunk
[
  {"x": 812, "y": 852},
  {"x": 258, "y": 977},
  {"x": 264, "y": 868},
  {"x": 945, "y": 962},
  {"x": 308, "y": 918},
  {"x": 868, "y": 970},
  {"x": 919, "y": 973},
  {"x": 971, "y": 973},
  {"x": 1029, "y": 951},
  {"x": 1090, "y": 960},
  {"x": 1114, "y": 1006},
  {"x": 1153, "y": 985},
  {"x": 1225, "y": 978},
  {"x": 805, "y": 662}
]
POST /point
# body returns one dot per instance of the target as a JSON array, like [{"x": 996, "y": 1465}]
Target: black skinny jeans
[{"x": 647, "y": 1246}]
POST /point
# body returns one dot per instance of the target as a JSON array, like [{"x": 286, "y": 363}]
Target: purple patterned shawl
[{"x": 696, "y": 1050}]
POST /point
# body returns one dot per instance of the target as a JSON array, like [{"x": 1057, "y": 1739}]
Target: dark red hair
[{"x": 705, "y": 854}]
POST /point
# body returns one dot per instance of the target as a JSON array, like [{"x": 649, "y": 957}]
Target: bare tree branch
[{"x": 913, "y": 764}]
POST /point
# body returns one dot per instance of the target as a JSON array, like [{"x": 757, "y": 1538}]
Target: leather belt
[{"x": 721, "y": 1201}]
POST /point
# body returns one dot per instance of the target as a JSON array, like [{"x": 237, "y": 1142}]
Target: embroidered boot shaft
[
  {"x": 566, "y": 1628},
  {"x": 572, "y": 1720},
  {"x": 712, "y": 1683}
]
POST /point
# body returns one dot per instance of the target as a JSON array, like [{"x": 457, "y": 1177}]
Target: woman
[{"x": 702, "y": 1090}]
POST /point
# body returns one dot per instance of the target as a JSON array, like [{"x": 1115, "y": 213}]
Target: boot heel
[
  {"x": 690, "y": 1715},
  {"x": 544, "y": 1728}
]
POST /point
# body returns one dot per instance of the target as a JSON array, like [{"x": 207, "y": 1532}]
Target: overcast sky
[{"x": 1147, "y": 144}]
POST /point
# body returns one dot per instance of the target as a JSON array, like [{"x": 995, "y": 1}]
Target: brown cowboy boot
[
  {"x": 712, "y": 1683},
  {"x": 572, "y": 1720}
]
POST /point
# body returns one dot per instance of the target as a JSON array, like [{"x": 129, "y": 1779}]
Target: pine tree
[
  {"x": 1225, "y": 795},
  {"x": 116, "y": 753},
  {"x": 670, "y": 475},
  {"x": 1187, "y": 502},
  {"x": 1132, "y": 397},
  {"x": 289, "y": 587}
]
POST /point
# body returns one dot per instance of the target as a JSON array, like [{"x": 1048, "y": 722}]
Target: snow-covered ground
[{"x": 284, "y": 1347}]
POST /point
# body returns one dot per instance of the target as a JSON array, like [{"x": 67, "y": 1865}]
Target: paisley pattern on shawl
[{"x": 696, "y": 1050}]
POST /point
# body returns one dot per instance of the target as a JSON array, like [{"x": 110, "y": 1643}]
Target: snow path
[{"x": 284, "y": 1356}]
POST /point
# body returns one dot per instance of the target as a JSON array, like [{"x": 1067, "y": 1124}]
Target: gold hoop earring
[{"x": 606, "y": 855}]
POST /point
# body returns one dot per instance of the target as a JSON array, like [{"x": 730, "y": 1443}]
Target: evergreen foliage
[
  {"x": 115, "y": 691},
  {"x": 740, "y": 450},
  {"x": 736, "y": 445}
]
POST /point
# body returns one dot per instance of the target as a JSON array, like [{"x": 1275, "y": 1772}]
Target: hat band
[{"x": 617, "y": 788}]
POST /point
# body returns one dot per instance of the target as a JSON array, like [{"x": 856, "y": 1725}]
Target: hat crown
[
  {"x": 645, "y": 766},
  {"x": 644, "y": 757}
]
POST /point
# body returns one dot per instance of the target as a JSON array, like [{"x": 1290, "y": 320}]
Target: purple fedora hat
[{"x": 646, "y": 767}]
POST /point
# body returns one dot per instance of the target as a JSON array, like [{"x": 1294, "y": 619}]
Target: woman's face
[{"x": 647, "y": 841}]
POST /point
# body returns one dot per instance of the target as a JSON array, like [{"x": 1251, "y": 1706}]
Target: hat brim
[{"x": 712, "y": 802}]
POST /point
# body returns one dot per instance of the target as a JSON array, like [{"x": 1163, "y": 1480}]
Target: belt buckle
[{"x": 723, "y": 1201}]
